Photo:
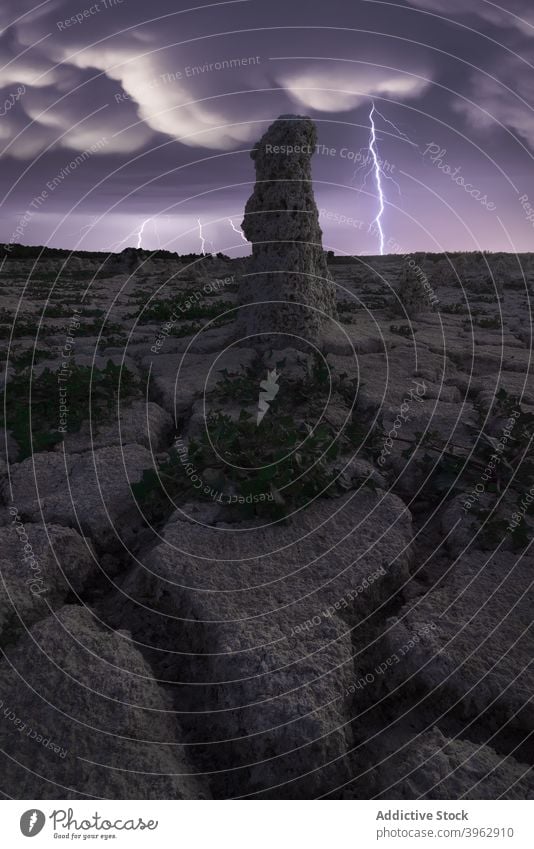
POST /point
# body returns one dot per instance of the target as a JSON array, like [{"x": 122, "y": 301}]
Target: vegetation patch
[
  {"x": 30, "y": 405},
  {"x": 271, "y": 468}
]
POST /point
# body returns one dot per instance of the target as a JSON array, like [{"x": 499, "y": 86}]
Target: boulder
[
  {"x": 81, "y": 716},
  {"x": 433, "y": 766},
  {"x": 142, "y": 423},
  {"x": 478, "y": 658},
  {"x": 90, "y": 491},
  {"x": 267, "y": 617},
  {"x": 414, "y": 294},
  {"x": 39, "y": 568}
]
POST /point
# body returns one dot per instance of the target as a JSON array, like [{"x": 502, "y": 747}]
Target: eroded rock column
[{"x": 287, "y": 288}]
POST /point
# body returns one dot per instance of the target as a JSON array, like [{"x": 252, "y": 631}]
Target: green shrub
[{"x": 32, "y": 403}]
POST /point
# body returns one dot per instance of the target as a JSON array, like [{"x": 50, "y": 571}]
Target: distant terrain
[{"x": 333, "y": 598}]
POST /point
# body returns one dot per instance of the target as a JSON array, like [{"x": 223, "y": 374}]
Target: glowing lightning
[
  {"x": 378, "y": 169},
  {"x": 397, "y": 130},
  {"x": 240, "y": 232},
  {"x": 203, "y": 240},
  {"x": 140, "y": 232},
  {"x": 378, "y": 178},
  {"x": 137, "y": 233}
]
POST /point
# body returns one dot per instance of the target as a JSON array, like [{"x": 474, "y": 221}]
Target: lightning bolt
[
  {"x": 398, "y": 131},
  {"x": 138, "y": 234},
  {"x": 203, "y": 240},
  {"x": 33, "y": 820},
  {"x": 140, "y": 231},
  {"x": 240, "y": 232},
  {"x": 377, "y": 170},
  {"x": 378, "y": 179}
]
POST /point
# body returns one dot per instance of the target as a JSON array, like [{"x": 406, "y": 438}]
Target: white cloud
[
  {"x": 497, "y": 104},
  {"x": 166, "y": 105},
  {"x": 157, "y": 100},
  {"x": 160, "y": 97},
  {"x": 342, "y": 88}
]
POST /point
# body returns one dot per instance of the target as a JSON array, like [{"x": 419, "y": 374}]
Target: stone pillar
[
  {"x": 413, "y": 297},
  {"x": 287, "y": 289}
]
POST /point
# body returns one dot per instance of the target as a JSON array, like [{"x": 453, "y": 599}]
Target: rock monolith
[{"x": 287, "y": 289}]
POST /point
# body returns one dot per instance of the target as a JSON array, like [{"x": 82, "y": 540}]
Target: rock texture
[
  {"x": 412, "y": 297},
  {"x": 39, "y": 568},
  {"x": 435, "y": 767},
  {"x": 257, "y": 611},
  {"x": 478, "y": 658},
  {"x": 91, "y": 491},
  {"x": 103, "y": 727},
  {"x": 287, "y": 289},
  {"x": 178, "y": 380}
]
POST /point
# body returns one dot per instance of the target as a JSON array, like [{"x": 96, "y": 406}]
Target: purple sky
[{"x": 117, "y": 113}]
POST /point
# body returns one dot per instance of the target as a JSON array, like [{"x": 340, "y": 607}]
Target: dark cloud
[{"x": 519, "y": 13}]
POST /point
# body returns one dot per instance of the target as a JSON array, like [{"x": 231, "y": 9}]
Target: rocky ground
[{"x": 332, "y": 599}]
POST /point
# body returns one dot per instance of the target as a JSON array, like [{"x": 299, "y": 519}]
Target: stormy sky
[{"x": 126, "y": 123}]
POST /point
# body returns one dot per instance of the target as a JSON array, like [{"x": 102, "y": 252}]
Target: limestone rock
[
  {"x": 478, "y": 657},
  {"x": 414, "y": 293},
  {"x": 142, "y": 423},
  {"x": 501, "y": 276},
  {"x": 266, "y": 616},
  {"x": 84, "y": 717},
  {"x": 178, "y": 380},
  {"x": 90, "y": 491},
  {"x": 39, "y": 567},
  {"x": 431, "y": 766},
  {"x": 288, "y": 294}
]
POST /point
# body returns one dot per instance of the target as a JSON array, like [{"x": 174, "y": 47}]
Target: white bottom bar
[{"x": 269, "y": 824}]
